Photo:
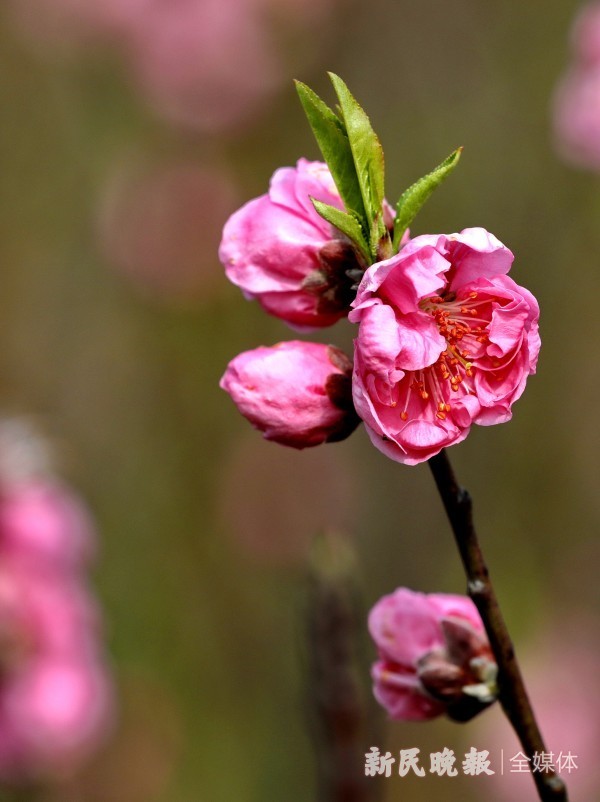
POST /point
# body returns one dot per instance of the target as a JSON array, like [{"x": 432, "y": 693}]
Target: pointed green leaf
[
  {"x": 331, "y": 136},
  {"x": 344, "y": 222},
  {"x": 414, "y": 197},
  {"x": 366, "y": 149}
]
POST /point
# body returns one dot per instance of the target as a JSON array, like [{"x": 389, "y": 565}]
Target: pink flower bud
[
  {"x": 446, "y": 339},
  {"x": 298, "y": 394},
  {"x": 434, "y": 656},
  {"x": 277, "y": 249}
]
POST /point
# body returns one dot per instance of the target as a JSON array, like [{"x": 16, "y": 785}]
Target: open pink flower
[
  {"x": 281, "y": 252},
  {"x": 434, "y": 656},
  {"x": 296, "y": 393},
  {"x": 446, "y": 339}
]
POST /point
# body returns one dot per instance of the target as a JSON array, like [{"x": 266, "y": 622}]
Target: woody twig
[{"x": 512, "y": 692}]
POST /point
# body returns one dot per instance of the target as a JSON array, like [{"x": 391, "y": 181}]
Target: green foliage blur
[{"x": 204, "y": 529}]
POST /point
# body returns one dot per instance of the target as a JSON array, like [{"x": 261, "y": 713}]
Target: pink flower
[
  {"x": 434, "y": 656},
  {"x": 577, "y": 117},
  {"x": 585, "y": 35},
  {"x": 55, "y": 692},
  {"x": 281, "y": 252},
  {"x": 576, "y": 105},
  {"x": 298, "y": 394},
  {"x": 446, "y": 339},
  {"x": 55, "y": 695},
  {"x": 206, "y": 64},
  {"x": 42, "y": 521}
]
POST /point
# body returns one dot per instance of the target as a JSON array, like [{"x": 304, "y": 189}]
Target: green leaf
[
  {"x": 331, "y": 136},
  {"x": 348, "y": 224},
  {"x": 366, "y": 150},
  {"x": 413, "y": 199}
]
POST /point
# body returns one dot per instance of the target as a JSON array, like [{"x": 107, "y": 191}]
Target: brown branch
[{"x": 512, "y": 692}]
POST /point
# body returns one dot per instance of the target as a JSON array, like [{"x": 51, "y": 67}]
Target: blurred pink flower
[
  {"x": 434, "y": 656},
  {"x": 160, "y": 226},
  {"x": 277, "y": 249},
  {"x": 446, "y": 339},
  {"x": 576, "y": 103},
  {"x": 55, "y": 692},
  {"x": 55, "y": 695},
  {"x": 45, "y": 521},
  {"x": 585, "y": 36},
  {"x": 203, "y": 63},
  {"x": 561, "y": 670},
  {"x": 296, "y": 393},
  {"x": 577, "y": 117}
]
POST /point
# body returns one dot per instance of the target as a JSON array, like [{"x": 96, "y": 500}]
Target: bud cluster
[
  {"x": 445, "y": 338},
  {"x": 434, "y": 656}
]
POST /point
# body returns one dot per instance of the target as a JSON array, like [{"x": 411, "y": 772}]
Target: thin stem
[{"x": 513, "y": 695}]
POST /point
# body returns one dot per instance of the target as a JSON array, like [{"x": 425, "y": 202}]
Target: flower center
[{"x": 463, "y": 325}]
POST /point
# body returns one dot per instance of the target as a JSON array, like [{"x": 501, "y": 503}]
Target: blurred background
[{"x": 131, "y": 130}]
